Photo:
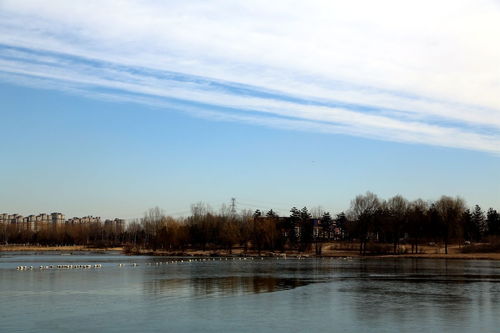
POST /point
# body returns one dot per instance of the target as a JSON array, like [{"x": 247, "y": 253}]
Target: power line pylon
[{"x": 233, "y": 206}]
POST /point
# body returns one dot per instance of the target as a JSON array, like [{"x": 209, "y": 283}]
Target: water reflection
[
  {"x": 224, "y": 285},
  {"x": 288, "y": 295},
  {"x": 234, "y": 278}
]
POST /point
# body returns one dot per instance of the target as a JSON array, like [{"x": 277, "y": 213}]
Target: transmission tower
[{"x": 233, "y": 206}]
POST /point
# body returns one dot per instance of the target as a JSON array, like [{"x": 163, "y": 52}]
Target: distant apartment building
[
  {"x": 116, "y": 225},
  {"x": 21, "y": 222},
  {"x": 84, "y": 220},
  {"x": 43, "y": 220},
  {"x": 11, "y": 218},
  {"x": 57, "y": 218},
  {"x": 4, "y": 218}
]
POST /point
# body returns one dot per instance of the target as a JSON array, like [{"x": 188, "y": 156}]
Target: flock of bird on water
[{"x": 158, "y": 263}]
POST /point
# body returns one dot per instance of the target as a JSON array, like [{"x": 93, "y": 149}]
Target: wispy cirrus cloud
[{"x": 419, "y": 73}]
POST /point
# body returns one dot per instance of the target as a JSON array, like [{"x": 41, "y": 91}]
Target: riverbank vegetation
[{"x": 371, "y": 226}]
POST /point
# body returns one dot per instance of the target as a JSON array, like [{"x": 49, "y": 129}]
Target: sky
[{"x": 110, "y": 107}]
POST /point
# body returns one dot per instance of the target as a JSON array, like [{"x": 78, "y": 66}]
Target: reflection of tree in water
[
  {"x": 412, "y": 295},
  {"x": 229, "y": 285},
  {"x": 240, "y": 278},
  {"x": 225, "y": 285}
]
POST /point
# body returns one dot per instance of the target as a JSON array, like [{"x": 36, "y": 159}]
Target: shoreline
[
  {"x": 69, "y": 248},
  {"x": 239, "y": 253},
  {"x": 451, "y": 256}
]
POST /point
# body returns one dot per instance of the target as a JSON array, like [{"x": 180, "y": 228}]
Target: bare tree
[
  {"x": 397, "y": 207},
  {"x": 317, "y": 212},
  {"x": 450, "y": 211},
  {"x": 417, "y": 221},
  {"x": 362, "y": 213}
]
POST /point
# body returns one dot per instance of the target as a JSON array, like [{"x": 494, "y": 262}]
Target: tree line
[
  {"x": 415, "y": 222},
  {"x": 371, "y": 222}
]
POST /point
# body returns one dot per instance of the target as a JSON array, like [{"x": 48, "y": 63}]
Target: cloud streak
[{"x": 324, "y": 67}]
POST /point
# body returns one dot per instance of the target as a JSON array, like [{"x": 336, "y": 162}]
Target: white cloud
[{"x": 427, "y": 71}]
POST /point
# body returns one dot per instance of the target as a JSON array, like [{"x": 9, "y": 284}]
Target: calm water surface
[{"x": 312, "y": 295}]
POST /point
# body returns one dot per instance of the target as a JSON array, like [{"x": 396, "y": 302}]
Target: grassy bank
[
  {"x": 329, "y": 250},
  {"x": 69, "y": 248},
  {"x": 334, "y": 250}
]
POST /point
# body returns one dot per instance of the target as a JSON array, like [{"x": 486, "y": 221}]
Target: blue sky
[{"x": 109, "y": 108}]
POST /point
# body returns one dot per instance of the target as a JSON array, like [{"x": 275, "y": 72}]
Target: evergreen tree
[
  {"x": 291, "y": 225},
  {"x": 326, "y": 224},
  {"x": 478, "y": 223},
  {"x": 493, "y": 222},
  {"x": 271, "y": 214},
  {"x": 306, "y": 229},
  {"x": 295, "y": 213},
  {"x": 304, "y": 214},
  {"x": 468, "y": 225}
]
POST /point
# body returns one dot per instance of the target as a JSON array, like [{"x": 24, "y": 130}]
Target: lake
[{"x": 163, "y": 294}]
